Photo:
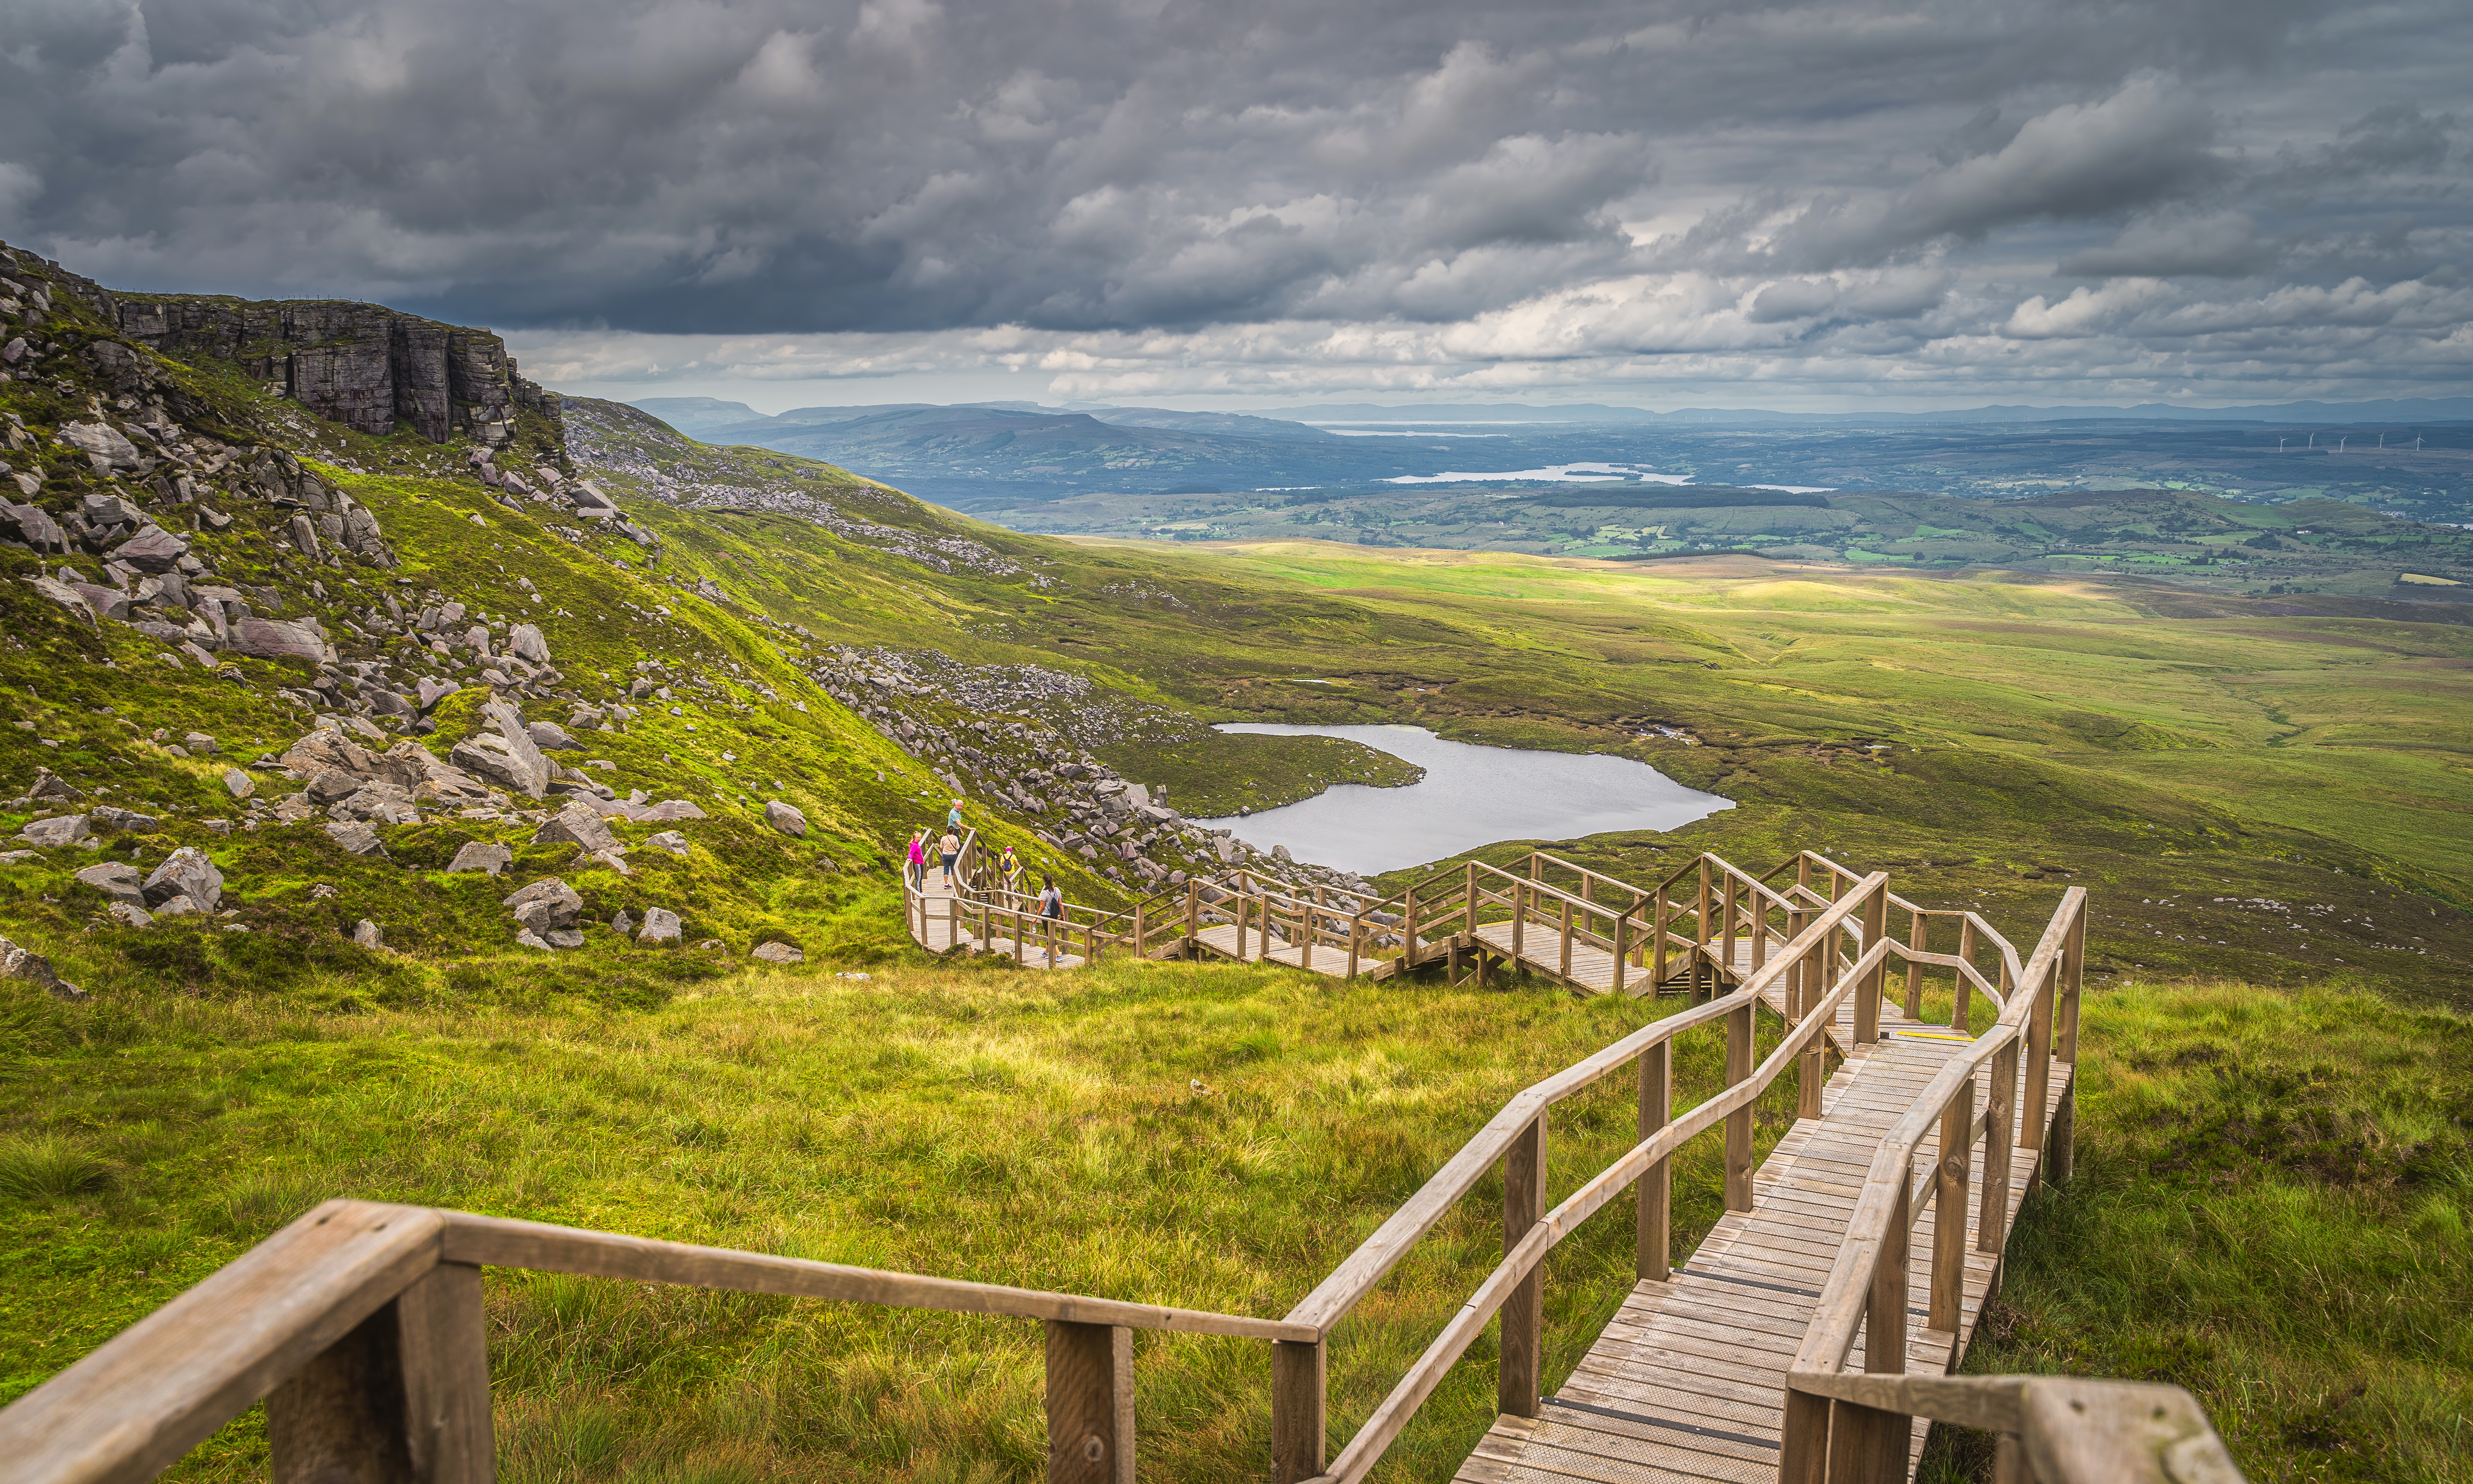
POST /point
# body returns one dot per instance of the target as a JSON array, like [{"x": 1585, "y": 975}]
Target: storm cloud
[{"x": 2074, "y": 201}]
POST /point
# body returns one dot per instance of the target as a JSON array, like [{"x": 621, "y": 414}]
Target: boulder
[
  {"x": 429, "y": 692},
  {"x": 178, "y": 904},
  {"x": 241, "y": 785},
  {"x": 329, "y": 784},
  {"x": 547, "y": 905},
  {"x": 69, "y": 600},
  {"x": 367, "y": 935},
  {"x": 56, "y": 831},
  {"x": 786, "y": 819},
  {"x": 128, "y": 913},
  {"x": 525, "y": 640},
  {"x": 528, "y": 939},
  {"x": 669, "y": 840},
  {"x": 152, "y": 549},
  {"x": 551, "y": 736},
  {"x": 777, "y": 953},
  {"x": 102, "y": 602},
  {"x": 622, "y": 924},
  {"x": 127, "y": 821},
  {"x": 669, "y": 811},
  {"x": 378, "y": 802},
  {"x": 16, "y": 963},
  {"x": 48, "y": 784},
  {"x": 477, "y": 855},
  {"x": 115, "y": 880},
  {"x": 563, "y": 938},
  {"x": 579, "y": 824},
  {"x": 660, "y": 925},
  {"x": 508, "y": 755},
  {"x": 102, "y": 445},
  {"x": 279, "y": 639},
  {"x": 356, "y": 837},
  {"x": 199, "y": 744}
]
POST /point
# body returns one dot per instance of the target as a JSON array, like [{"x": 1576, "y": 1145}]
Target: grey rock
[
  {"x": 199, "y": 744},
  {"x": 115, "y": 880},
  {"x": 552, "y": 736},
  {"x": 329, "y": 784},
  {"x": 129, "y": 821},
  {"x": 429, "y": 692},
  {"x": 622, "y": 924},
  {"x": 103, "y": 602},
  {"x": 356, "y": 837},
  {"x": 528, "y": 939},
  {"x": 1280, "y": 852},
  {"x": 660, "y": 925},
  {"x": 670, "y": 810},
  {"x": 278, "y": 638},
  {"x": 50, "y": 785},
  {"x": 56, "y": 831},
  {"x": 581, "y": 824},
  {"x": 152, "y": 549},
  {"x": 304, "y": 536},
  {"x": 526, "y": 642},
  {"x": 548, "y": 904},
  {"x": 477, "y": 855},
  {"x": 777, "y": 953},
  {"x": 565, "y": 938},
  {"x": 18, "y": 962},
  {"x": 178, "y": 904},
  {"x": 369, "y": 936},
  {"x": 669, "y": 840},
  {"x": 786, "y": 819},
  {"x": 128, "y": 913},
  {"x": 109, "y": 510},
  {"x": 70, "y": 601},
  {"x": 102, "y": 444}
]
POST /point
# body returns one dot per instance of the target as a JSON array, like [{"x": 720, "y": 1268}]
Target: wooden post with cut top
[
  {"x": 1867, "y": 994},
  {"x": 1298, "y": 1387},
  {"x": 1524, "y": 1312},
  {"x": 1652, "y": 1244},
  {"x": 1738, "y": 1123},
  {"x": 1948, "y": 1286},
  {"x": 1090, "y": 1403},
  {"x": 404, "y": 1395}
]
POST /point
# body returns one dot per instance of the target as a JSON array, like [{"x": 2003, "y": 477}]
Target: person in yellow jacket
[{"x": 1010, "y": 868}]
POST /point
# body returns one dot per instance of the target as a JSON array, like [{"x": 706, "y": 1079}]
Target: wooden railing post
[
  {"x": 1298, "y": 1383},
  {"x": 1524, "y": 1312},
  {"x": 2065, "y": 1050},
  {"x": 1621, "y": 946},
  {"x": 1867, "y": 995},
  {"x": 1653, "y": 1248},
  {"x": 1193, "y": 914},
  {"x": 1519, "y": 917},
  {"x": 1866, "y": 1445},
  {"x": 2031, "y": 1099},
  {"x": 1992, "y": 1221},
  {"x": 1657, "y": 967},
  {"x": 1090, "y": 1403},
  {"x": 1949, "y": 1210},
  {"x": 1918, "y": 929},
  {"x": 1738, "y": 1123},
  {"x": 405, "y": 1396},
  {"x": 1567, "y": 938}
]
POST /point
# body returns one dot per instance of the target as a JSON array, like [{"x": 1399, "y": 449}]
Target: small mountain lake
[{"x": 1470, "y": 796}]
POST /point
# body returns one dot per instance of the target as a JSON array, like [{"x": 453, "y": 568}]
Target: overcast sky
[{"x": 1817, "y": 206}]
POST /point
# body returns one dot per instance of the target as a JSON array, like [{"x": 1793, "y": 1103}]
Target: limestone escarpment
[{"x": 362, "y": 365}]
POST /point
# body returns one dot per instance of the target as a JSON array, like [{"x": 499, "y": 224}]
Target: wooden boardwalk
[{"x": 1686, "y": 1381}]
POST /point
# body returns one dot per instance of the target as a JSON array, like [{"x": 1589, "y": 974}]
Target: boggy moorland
[{"x": 2265, "y": 799}]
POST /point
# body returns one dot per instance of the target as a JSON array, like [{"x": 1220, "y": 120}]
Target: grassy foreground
[
  {"x": 993, "y": 1125},
  {"x": 2271, "y": 1208}
]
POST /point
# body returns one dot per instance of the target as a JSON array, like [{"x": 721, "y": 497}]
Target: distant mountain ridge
[{"x": 2419, "y": 409}]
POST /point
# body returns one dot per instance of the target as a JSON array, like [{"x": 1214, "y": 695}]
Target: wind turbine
[{"x": 2341, "y": 442}]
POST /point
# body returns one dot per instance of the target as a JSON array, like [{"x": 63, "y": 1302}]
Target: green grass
[
  {"x": 2270, "y": 1208},
  {"x": 993, "y": 1125}
]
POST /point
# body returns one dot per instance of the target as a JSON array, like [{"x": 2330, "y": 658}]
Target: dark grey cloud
[{"x": 1554, "y": 182}]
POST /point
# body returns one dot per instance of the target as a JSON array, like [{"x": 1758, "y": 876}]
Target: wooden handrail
[
  {"x": 1886, "y": 1206},
  {"x": 2071, "y": 1429},
  {"x": 1388, "y": 1419},
  {"x": 1357, "y": 1275}
]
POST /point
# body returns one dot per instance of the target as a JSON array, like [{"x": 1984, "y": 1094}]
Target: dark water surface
[{"x": 1470, "y": 796}]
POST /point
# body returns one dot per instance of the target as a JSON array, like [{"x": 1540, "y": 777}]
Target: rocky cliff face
[{"x": 364, "y": 366}]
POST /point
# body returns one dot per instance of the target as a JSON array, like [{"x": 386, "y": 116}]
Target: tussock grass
[{"x": 45, "y": 1165}]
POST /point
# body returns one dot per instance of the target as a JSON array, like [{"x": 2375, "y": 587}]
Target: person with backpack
[
  {"x": 951, "y": 849},
  {"x": 1010, "y": 869},
  {"x": 1051, "y": 908}
]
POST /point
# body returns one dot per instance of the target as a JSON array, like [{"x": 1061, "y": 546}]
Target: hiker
[
  {"x": 950, "y": 848},
  {"x": 953, "y": 817},
  {"x": 1010, "y": 869},
  {"x": 1052, "y": 907},
  {"x": 918, "y": 860}
]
